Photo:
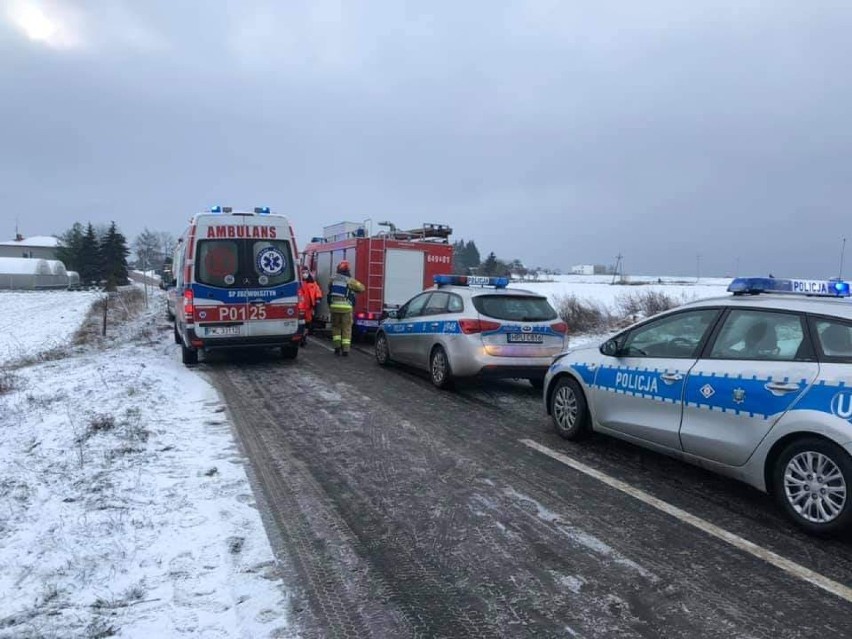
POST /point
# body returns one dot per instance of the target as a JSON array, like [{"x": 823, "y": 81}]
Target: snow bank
[
  {"x": 599, "y": 288},
  {"x": 126, "y": 505},
  {"x": 39, "y": 321}
]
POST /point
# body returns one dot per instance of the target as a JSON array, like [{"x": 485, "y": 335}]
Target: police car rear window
[
  {"x": 835, "y": 339},
  {"x": 244, "y": 263},
  {"x": 515, "y": 308}
]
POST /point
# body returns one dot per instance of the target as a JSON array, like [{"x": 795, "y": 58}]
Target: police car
[
  {"x": 469, "y": 326},
  {"x": 756, "y": 386}
]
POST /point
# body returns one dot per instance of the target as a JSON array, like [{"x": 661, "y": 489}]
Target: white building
[
  {"x": 588, "y": 269},
  {"x": 26, "y": 273},
  {"x": 39, "y": 247}
]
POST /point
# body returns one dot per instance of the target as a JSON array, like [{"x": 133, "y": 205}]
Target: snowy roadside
[
  {"x": 125, "y": 509},
  {"x": 36, "y": 323}
]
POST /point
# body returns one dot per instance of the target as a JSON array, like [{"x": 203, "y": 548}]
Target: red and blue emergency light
[
  {"x": 471, "y": 280},
  {"x": 817, "y": 288}
]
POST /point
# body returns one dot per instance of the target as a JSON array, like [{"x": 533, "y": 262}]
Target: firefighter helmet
[{"x": 343, "y": 266}]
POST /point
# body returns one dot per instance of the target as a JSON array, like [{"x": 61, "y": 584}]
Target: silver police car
[
  {"x": 468, "y": 326},
  {"x": 756, "y": 386}
]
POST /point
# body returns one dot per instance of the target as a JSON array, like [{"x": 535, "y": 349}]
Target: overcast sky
[{"x": 555, "y": 132}]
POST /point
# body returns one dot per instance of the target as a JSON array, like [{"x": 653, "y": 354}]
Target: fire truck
[{"x": 393, "y": 265}]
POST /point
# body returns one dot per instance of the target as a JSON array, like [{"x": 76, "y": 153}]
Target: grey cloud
[{"x": 559, "y": 135}]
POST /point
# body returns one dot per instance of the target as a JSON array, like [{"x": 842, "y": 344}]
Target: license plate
[
  {"x": 367, "y": 322},
  {"x": 524, "y": 338},
  {"x": 220, "y": 331},
  {"x": 247, "y": 312}
]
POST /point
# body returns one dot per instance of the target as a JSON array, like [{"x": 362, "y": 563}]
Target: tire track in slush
[
  {"x": 436, "y": 504},
  {"x": 421, "y": 603}
]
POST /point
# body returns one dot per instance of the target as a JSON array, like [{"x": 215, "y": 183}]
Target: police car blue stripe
[
  {"x": 735, "y": 394},
  {"x": 422, "y": 328}
]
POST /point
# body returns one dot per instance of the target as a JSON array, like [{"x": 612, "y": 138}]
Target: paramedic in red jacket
[{"x": 310, "y": 295}]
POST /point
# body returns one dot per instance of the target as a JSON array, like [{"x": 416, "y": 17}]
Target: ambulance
[{"x": 237, "y": 284}]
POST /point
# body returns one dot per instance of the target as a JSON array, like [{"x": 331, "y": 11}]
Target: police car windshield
[
  {"x": 244, "y": 263},
  {"x": 515, "y": 308}
]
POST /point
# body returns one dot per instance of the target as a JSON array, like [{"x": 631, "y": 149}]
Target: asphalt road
[{"x": 398, "y": 510}]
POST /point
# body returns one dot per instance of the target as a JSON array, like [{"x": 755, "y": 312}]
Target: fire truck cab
[{"x": 392, "y": 264}]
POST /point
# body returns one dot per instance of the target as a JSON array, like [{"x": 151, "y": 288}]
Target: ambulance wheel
[
  {"x": 568, "y": 409},
  {"x": 290, "y": 351},
  {"x": 189, "y": 355},
  {"x": 177, "y": 335},
  {"x": 439, "y": 368},
  {"x": 812, "y": 479},
  {"x": 382, "y": 350}
]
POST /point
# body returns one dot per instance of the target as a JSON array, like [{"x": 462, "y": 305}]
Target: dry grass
[{"x": 590, "y": 316}]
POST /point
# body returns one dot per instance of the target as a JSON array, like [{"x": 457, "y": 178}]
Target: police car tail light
[
  {"x": 819, "y": 288},
  {"x": 189, "y": 305},
  {"x": 473, "y": 326},
  {"x": 560, "y": 327}
]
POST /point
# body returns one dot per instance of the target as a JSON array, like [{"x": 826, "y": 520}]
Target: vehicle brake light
[
  {"x": 473, "y": 326},
  {"x": 189, "y": 306},
  {"x": 560, "y": 327},
  {"x": 362, "y": 315}
]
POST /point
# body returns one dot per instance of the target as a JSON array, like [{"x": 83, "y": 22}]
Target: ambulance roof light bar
[
  {"x": 471, "y": 280},
  {"x": 221, "y": 209},
  {"x": 262, "y": 210},
  {"x": 817, "y": 288}
]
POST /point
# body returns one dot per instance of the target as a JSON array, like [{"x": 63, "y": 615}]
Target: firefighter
[
  {"x": 310, "y": 295},
  {"x": 341, "y": 299}
]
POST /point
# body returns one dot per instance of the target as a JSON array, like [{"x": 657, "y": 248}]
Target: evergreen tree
[
  {"x": 70, "y": 249},
  {"x": 459, "y": 262},
  {"x": 113, "y": 255},
  {"x": 472, "y": 257},
  {"x": 490, "y": 266},
  {"x": 90, "y": 262}
]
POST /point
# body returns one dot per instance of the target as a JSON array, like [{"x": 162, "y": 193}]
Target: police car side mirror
[
  {"x": 610, "y": 348},
  {"x": 392, "y": 314}
]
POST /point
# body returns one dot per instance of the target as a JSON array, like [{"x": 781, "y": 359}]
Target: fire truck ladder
[{"x": 376, "y": 247}]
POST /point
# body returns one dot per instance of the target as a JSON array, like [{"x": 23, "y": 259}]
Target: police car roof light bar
[
  {"x": 816, "y": 288},
  {"x": 471, "y": 280}
]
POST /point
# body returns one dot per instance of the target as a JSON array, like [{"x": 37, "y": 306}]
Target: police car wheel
[
  {"x": 189, "y": 356},
  {"x": 439, "y": 368},
  {"x": 568, "y": 409},
  {"x": 290, "y": 351},
  {"x": 812, "y": 479},
  {"x": 382, "y": 351}
]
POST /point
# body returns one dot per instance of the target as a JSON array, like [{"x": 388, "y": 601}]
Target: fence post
[{"x": 106, "y": 305}]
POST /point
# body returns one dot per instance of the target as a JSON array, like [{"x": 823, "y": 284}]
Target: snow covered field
[
  {"x": 33, "y": 322},
  {"x": 126, "y": 509},
  {"x": 598, "y": 288}
]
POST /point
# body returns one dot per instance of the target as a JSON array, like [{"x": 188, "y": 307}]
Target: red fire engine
[{"x": 393, "y": 265}]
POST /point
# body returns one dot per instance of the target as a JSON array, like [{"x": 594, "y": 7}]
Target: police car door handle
[
  {"x": 671, "y": 378},
  {"x": 781, "y": 388}
]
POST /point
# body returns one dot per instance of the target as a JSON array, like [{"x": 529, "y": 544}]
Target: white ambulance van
[{"x": 237, "y": 283}]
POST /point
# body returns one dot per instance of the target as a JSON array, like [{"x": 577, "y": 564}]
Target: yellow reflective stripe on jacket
[{"x": 340, "y": 305}]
